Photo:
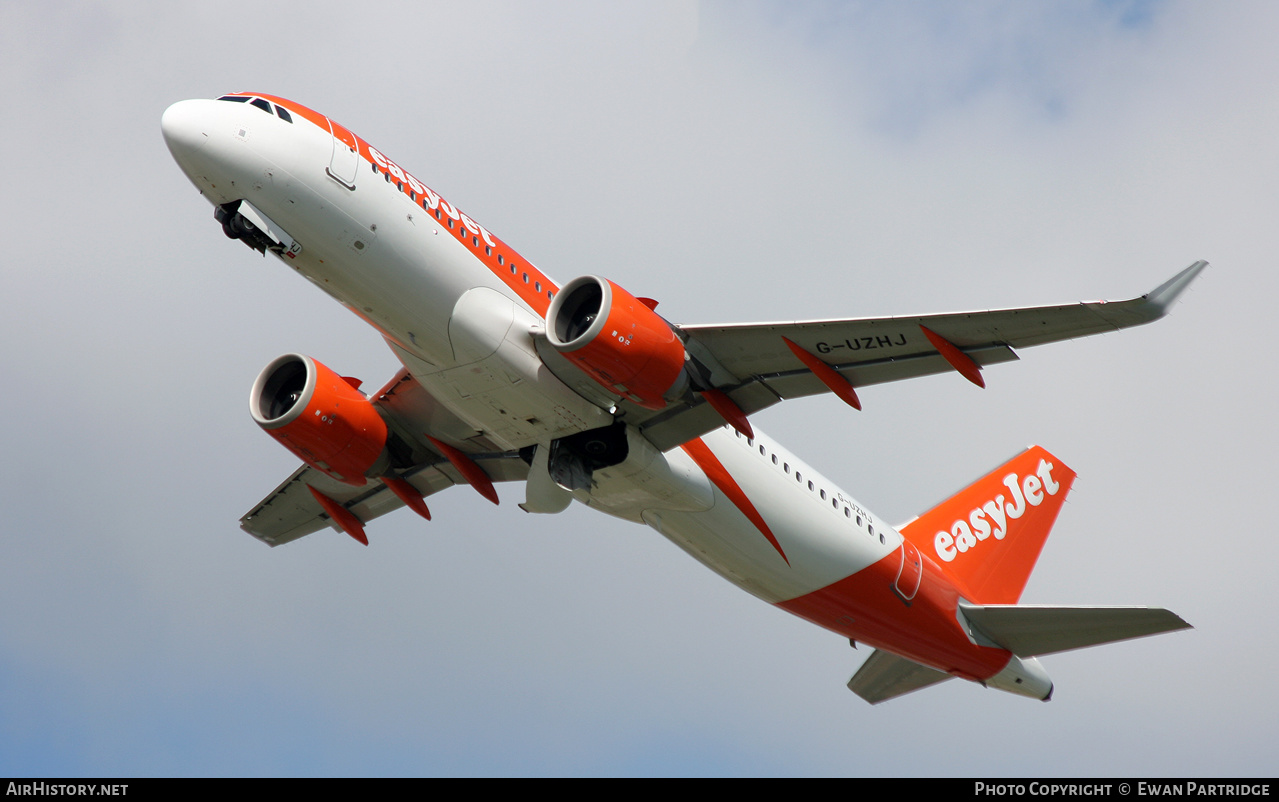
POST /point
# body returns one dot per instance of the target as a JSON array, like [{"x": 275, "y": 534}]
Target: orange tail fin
[{"x": 987, "y": 537}]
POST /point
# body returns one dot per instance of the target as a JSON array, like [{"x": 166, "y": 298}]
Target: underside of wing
[
  {"x": 291, "y": 511},
  {"x": 756, "y": 364},
  {"x": 757, "y": 349},
  {"x": 733, "y": 371},
  {"x": 422, "y": 467}
]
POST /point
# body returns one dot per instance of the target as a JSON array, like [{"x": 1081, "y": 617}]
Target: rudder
[{"x": 987, "y": 537}]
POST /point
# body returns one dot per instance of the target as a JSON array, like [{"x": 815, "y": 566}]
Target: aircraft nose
[{"x": 185, "y": 127}]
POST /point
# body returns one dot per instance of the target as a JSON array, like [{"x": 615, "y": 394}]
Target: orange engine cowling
[
  {"x": 320, "y": 417},
  {"x": 617, "y": 339}
]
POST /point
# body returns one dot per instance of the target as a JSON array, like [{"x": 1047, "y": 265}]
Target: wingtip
[
  {"x": 1181, "y": 623},
  {"x": 1162, "y": 298}
]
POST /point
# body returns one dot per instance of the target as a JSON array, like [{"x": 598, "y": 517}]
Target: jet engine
[
  {"x": 618, "y": 340},
  {"x": 321, "y": 417}
]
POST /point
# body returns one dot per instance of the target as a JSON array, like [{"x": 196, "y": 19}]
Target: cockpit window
[{"x": 261, "y": 104}]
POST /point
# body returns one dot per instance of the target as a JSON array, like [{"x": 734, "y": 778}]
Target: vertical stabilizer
[{"x": 987, "y": 537}]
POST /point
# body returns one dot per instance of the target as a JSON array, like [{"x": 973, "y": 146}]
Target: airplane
[{"x": 582, "y": 391}]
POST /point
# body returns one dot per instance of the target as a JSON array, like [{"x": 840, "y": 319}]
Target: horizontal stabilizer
[
  {"x": 884, "y": 676},
  {"x": 1028, "y": 630}
]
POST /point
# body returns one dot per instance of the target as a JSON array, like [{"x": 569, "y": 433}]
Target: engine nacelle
[
  {"x": 320, "y": 417},
  {"x": 617, "y": 340}
]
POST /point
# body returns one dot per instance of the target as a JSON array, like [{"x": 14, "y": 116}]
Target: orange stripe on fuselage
[
  {"x": 719, "y": 475},
  {"x": 514, "y": 270},
  {"x": 313, "y": 116},
  {"x": 526, "y": 281}
]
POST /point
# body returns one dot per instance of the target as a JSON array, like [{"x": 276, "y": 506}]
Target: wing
[
  {"x": 293, "y": 509},
  {"x": 754, "y": 366}
]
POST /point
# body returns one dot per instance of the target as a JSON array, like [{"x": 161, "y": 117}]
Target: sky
[{"x": 737, "y": 161}]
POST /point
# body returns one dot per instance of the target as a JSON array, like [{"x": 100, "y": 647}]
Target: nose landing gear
[{"x": 240, "y": 220}]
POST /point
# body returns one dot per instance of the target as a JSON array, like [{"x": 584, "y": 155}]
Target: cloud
[{"x": 737, "y": 162}]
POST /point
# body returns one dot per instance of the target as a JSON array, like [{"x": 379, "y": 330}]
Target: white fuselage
[{"x": 457, "y": 305}]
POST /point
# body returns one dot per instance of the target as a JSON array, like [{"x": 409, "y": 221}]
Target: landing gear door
[{"x": 346, "y": 156}]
